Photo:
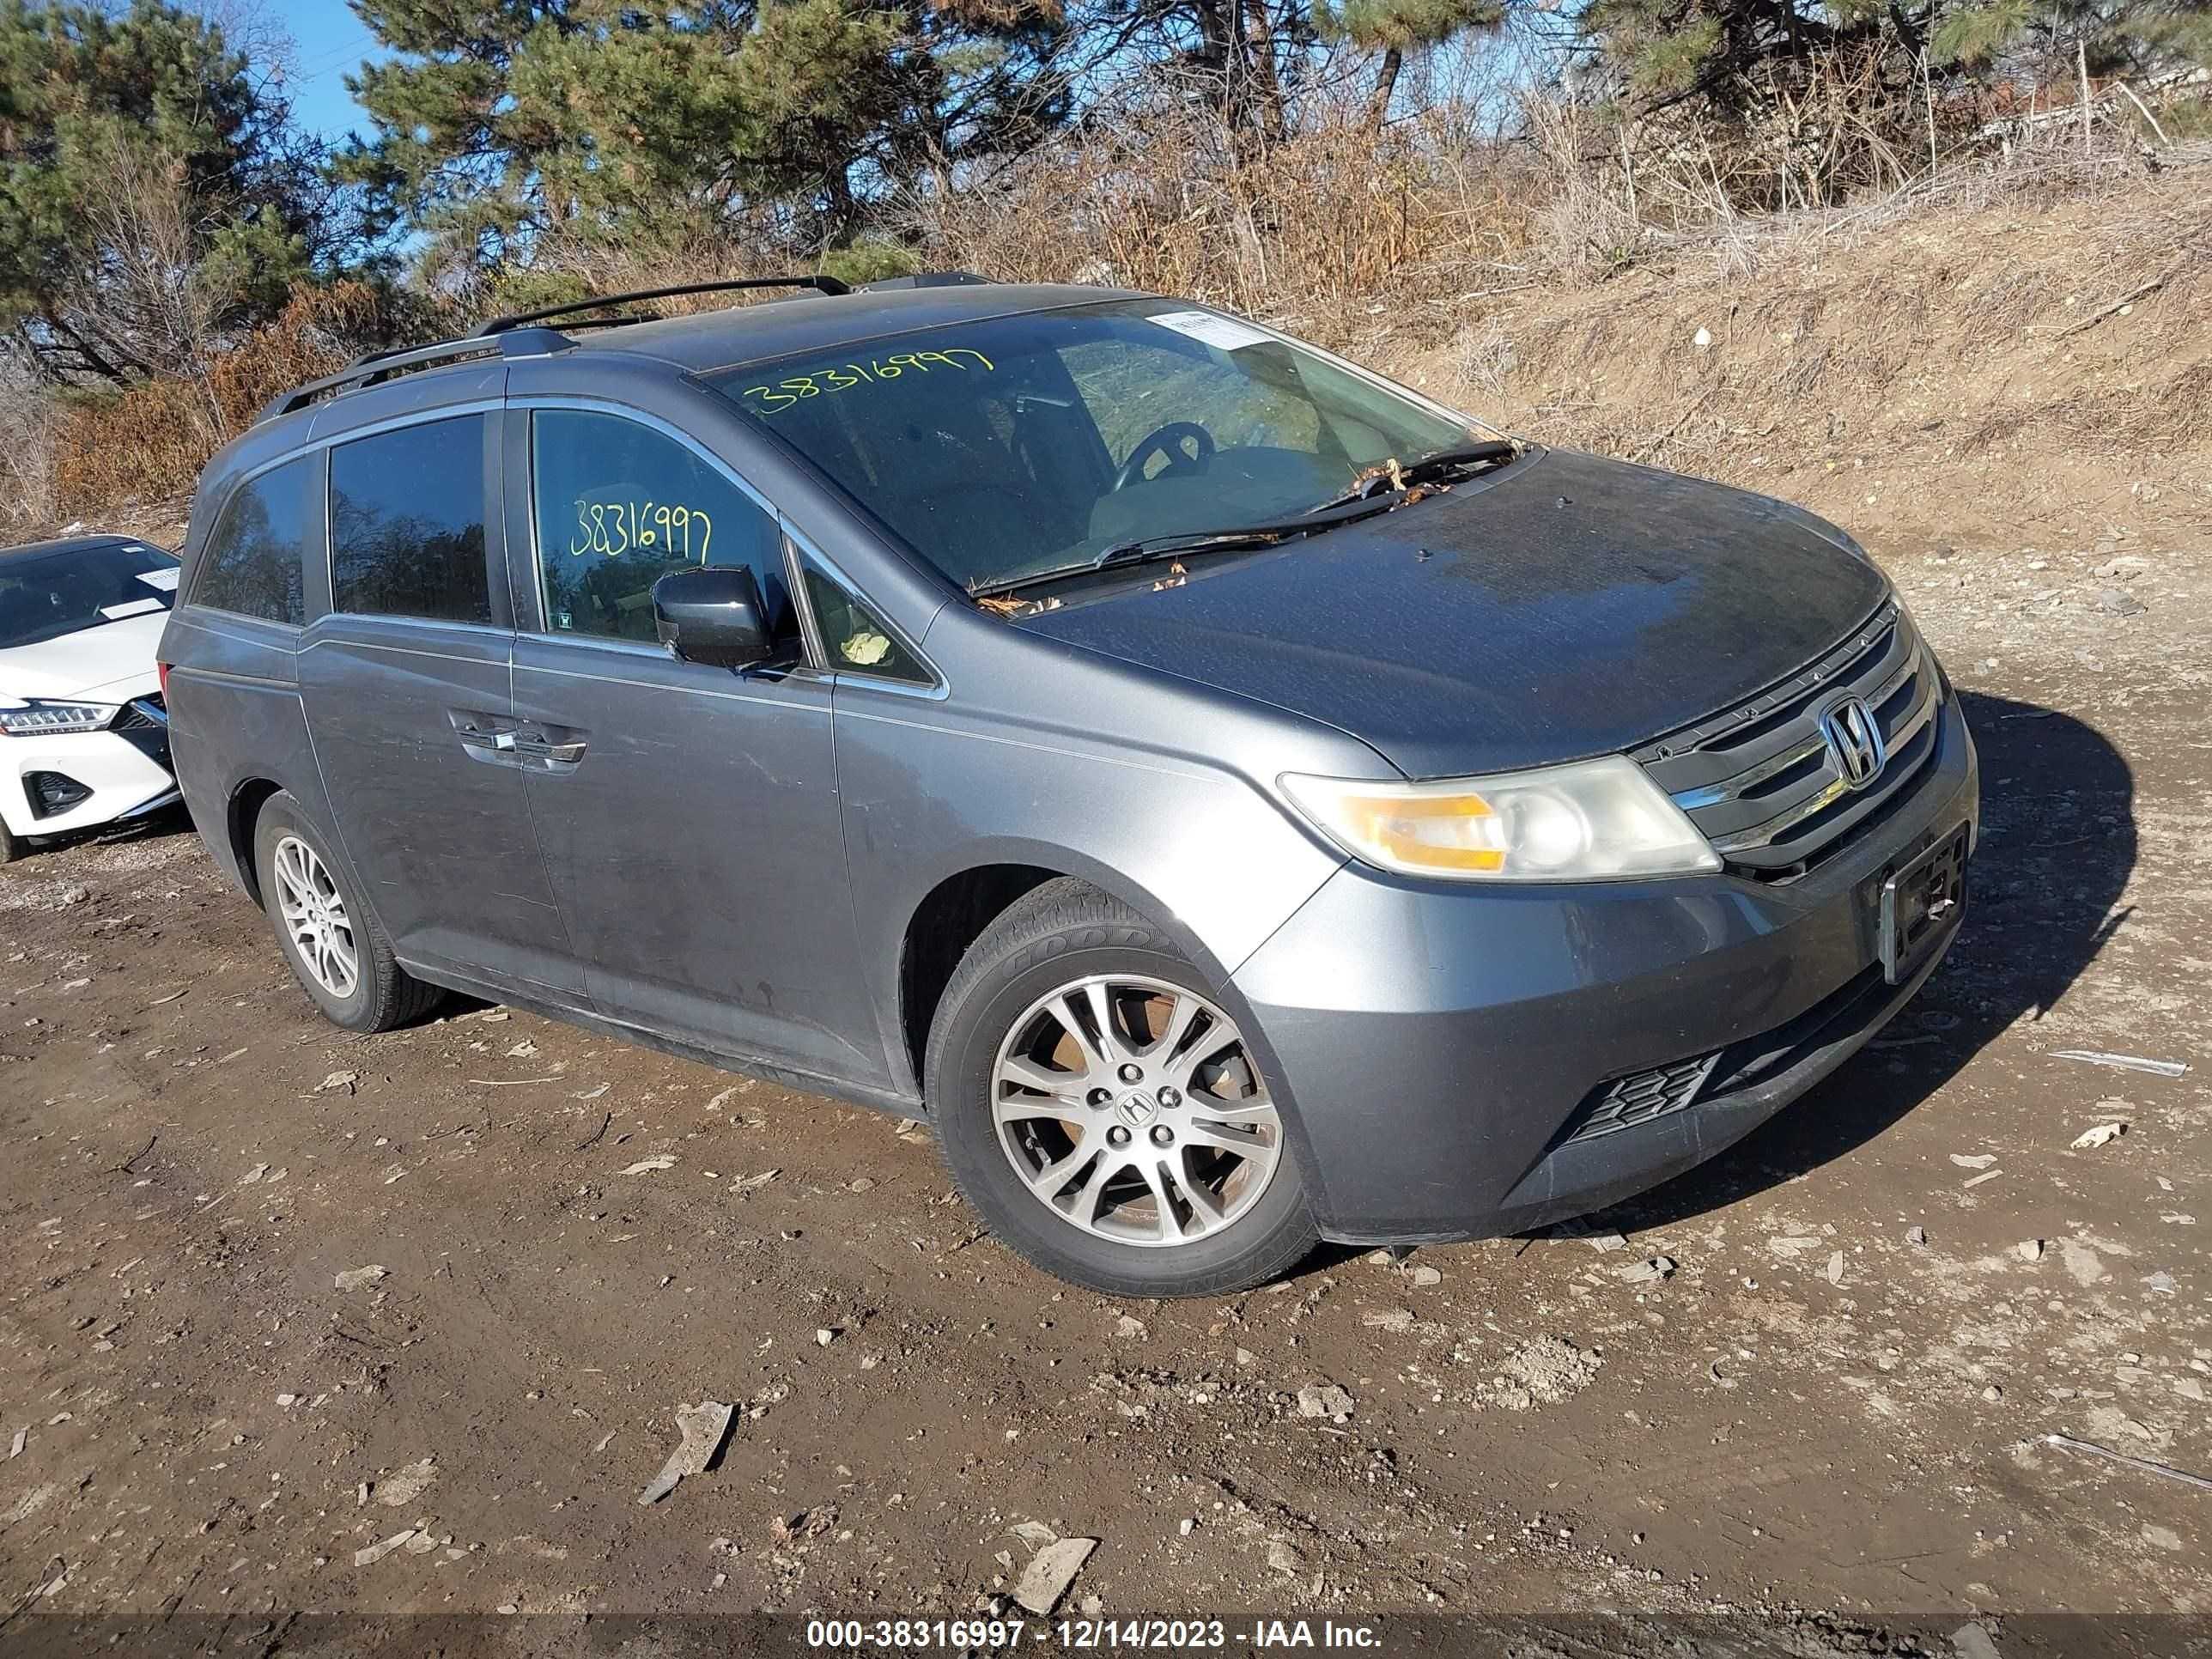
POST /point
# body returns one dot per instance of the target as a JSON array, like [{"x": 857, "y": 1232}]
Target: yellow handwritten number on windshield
[{"x": 838, "y": 377}]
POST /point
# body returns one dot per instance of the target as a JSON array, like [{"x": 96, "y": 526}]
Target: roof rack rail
[
  {"x": 515, "y": 335},
  {"x": 924, "y": 279},
  {"x": 501, "y": 325},
  {"x": 380, "y": 365}
]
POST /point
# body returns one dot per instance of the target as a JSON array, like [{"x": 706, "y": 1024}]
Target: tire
[
  {"x": 10, "y": 848},
  {"x": 1147, "y": 1197},
  {"x": 378, "y": 994}
]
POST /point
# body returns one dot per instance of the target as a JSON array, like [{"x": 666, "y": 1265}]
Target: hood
[
  {"x": 1561, "y": 607},
  {"x": 110, "y": 663}
]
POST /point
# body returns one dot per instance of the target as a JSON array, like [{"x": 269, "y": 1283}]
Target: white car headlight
[
  {"x": 41, "y": 720},
  {"x": 1593, "y": 820}
]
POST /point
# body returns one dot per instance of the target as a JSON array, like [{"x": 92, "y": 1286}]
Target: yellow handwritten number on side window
[
  {"x": 838, "y": 377},
  {"x": 666, "y": 530}
]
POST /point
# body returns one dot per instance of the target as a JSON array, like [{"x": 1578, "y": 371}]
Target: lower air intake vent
[
  {"x": 1628, "y": 1101},
  {"x": 53, "y": 793}
]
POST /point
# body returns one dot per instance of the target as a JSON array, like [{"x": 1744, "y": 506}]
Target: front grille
[
  {"x": 1762, "y": 782},
  {"x": 1626, "y": 1102},
  {"x": 142, "y": 714},
  {"x": 144, "y": 724}
]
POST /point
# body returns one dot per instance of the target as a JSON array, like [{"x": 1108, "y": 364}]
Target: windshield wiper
[
  {"x": 1361, "y": 501},
  {"x": 1387, "y": 477},
  {"x": 1232, "y": 539}
]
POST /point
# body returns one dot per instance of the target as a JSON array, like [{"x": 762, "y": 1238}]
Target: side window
[
  {"x": 619, "y": 506},
  {"x": 854, "y": 636},
  {"x": 407, "y": 523},
  {"x": 254, "y": 562}
]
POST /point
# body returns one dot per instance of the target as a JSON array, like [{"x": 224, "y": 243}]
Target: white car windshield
[
  {"x": 44, "y": 596},
  {"x": 1021, "y": 444}
]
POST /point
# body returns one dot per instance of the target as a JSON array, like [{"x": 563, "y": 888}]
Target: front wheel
[{"x": 1101, "y": 1108}]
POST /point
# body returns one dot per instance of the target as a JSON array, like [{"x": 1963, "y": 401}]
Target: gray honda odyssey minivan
[{"x": 1237, "y": 801}]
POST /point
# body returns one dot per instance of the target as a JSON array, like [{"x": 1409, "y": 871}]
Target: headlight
[
  {"x": 1591, "y": 820},
  {"x": 46, "y": 720}
]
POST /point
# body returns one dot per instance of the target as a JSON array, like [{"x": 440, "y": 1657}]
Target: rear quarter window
[{"x": 255, "y": 561}]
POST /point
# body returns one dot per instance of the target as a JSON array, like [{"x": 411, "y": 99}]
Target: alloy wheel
[
  {"x": 1131, "y": 1109},
  {"x": 315, "y": 917}
]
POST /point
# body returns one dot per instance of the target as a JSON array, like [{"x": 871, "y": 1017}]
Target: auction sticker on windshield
[{"x": 1226, "y": 332}]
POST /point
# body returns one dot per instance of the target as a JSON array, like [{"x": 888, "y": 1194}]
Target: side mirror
[{"x": 712, "y": 615}]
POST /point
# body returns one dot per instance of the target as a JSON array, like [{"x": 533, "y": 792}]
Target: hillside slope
[
  {"x": 1987, "y": 376},
  {"x": 2017, "y": 373}
]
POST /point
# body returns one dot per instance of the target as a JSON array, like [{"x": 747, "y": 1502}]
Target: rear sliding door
[{"x": 411, "y": 707}]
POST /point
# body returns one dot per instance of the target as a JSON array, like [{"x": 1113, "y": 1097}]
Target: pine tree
[
  {"x": 597, "y": 120},
  {"x": 2114, "y": 39},
  {"x": 1665, "y": 51},
  {"x": 1396, "y": 27},
  {"x": 152, "y": 193}
]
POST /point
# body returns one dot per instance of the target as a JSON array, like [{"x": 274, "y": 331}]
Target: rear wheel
[
  {"x": 1101, "y": 1108},
  {"x": 335, "y": 948}
]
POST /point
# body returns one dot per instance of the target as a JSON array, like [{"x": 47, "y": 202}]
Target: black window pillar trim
[
  {"x": 496, "y": 588},
  {"x": 526, "y": 601},
  {"x": 315, "y": 599}
]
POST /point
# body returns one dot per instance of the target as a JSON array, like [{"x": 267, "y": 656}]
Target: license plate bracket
[{"x": 1921, "y": 904}]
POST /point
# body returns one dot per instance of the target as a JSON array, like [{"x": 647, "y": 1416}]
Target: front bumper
[
  {"x": 117, "y": 773},
  {"x": 1442, "y": 1050}
]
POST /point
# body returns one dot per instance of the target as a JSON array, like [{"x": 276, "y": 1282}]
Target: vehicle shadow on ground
[
  {"x": 157, "y": 825},
  {"x": 2057, "y": 844}
]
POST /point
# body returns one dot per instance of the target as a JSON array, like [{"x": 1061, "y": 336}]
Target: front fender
[{"x": 1194, "y": 848}]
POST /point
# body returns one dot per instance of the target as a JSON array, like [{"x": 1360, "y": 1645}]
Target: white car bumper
[{"x": 50, "y": 785}]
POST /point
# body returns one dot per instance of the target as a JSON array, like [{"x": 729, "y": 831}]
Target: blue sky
[{"x": 332, "y": 42}]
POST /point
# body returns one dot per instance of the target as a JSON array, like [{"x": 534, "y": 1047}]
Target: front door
[
  {"x": 406, "y": 684},
  {"x": 688, "y": 815}
]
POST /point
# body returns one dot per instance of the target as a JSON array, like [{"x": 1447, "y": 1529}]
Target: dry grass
[
  {"x": 1324, "y": 226},
  {"x": 1977, "y": 330},
  {"x": 1557, "y": 282},
  {"x": 151, "y": 440},
  {"x": 27, "y": 460}
]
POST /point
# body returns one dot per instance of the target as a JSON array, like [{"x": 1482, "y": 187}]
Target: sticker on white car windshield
[
  {"x": 129, "y": 608},
  {"x": 164, "y": 580},
  {"x": 1224, "y": 333}
]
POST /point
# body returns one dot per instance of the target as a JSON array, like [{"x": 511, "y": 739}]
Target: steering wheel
[{"x": 1167, "y": 440}]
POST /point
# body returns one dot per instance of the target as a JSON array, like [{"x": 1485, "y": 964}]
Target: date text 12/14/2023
[{"x": 1164, "y": 1635}]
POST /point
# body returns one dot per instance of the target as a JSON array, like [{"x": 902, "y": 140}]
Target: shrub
[{"x": 151, "y": 440}]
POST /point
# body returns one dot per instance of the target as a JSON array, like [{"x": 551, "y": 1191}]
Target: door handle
[
  {"x": 495, "y": 738},
  {"x": 566, "y": 754},
  {"x": 485, "y": 740}
]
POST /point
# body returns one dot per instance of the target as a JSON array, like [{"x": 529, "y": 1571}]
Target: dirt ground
[{"x": 1832, "y": 1414}]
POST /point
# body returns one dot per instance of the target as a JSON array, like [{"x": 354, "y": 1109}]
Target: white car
[{"x": 84, "y": 728}]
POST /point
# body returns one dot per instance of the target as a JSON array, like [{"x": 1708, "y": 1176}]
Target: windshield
[
  {"x": 44, "y": 596},
  {"x": 1028, "y": 443}
]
